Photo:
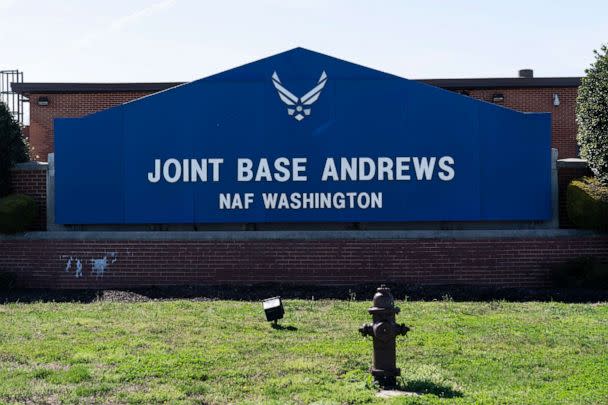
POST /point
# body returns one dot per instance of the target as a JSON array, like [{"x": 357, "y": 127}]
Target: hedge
[
  {"x": 17, "y": 213},
  {"x": 588, "y": 204},
  {"x": 585, "y": 272}
]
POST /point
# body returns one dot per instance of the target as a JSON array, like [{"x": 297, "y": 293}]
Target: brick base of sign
[
  {"x": 72, "y": 262},
  {"x": 503, "y": 262}
]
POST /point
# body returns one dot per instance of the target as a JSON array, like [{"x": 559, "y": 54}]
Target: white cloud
[{"x": 120, "y": 23}]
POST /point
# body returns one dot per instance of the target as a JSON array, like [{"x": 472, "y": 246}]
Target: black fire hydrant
[{"x": 384, "y": 330}]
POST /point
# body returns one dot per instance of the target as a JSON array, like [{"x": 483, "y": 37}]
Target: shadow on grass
[
  {"x": 429, "y": 387},
  {"x": 278, "y": 326}
]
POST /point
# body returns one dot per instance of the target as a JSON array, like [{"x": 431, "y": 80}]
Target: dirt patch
[{"x": 121, "y": 296}]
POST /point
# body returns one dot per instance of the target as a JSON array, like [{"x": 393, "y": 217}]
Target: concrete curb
[{"x": 301, "y": 235}]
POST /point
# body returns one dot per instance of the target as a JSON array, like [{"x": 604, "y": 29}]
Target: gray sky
[{"x": 182, "y": 40}]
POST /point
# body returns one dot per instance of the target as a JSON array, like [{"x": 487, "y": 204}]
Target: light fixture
[
  {"x": 498, "y": 98},
  {"x": 273, "y": 307},
  {"x": 555, "y": 99},
  {"x": 43, "y": 101}
]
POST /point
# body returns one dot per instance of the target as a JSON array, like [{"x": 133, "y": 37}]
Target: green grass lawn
[{"x": 224, "y": 352}]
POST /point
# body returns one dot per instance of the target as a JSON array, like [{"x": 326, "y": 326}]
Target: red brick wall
[
  {"x": 66, "y": 106},
  {"x": 541, "y": 100},
  {"x": 524, "y": 99},
  {"x": 32, "y": 182},
  {"x": 497, "y": 262}
]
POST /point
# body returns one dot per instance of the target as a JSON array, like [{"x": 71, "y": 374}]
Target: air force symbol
[{"x": 299, "y": 106}]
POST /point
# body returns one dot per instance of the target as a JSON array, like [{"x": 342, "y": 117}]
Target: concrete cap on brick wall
[
  {"x": 302, "y": 235},
  {"x": 572, "y": 163},
  {"x": 31, "y": 166}
]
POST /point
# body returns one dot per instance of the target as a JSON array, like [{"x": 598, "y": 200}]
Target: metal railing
[{"x": 14, "y": 101}]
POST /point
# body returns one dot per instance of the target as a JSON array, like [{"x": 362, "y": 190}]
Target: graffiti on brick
[
  {"x": 69, "y": 264},
  {"x": 98, "y": 266},
  {"x": 77, "y": 266}
]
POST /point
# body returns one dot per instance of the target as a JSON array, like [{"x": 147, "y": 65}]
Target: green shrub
[
  {"x": 587, "y": 272},
  {"x": 588, "y": 204},
  {"x": 17, "y": 212},
  {"x": 592, "y": 115},
  {"x": 13, "y": 148}
]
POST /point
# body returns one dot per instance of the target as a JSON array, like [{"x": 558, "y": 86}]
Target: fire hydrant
[{"x": 384, "y": 331}]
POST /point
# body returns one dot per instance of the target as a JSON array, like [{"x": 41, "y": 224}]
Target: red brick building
[{"x": 556, "y": 95}]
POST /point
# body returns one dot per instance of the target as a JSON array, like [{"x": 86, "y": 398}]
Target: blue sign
[{"x": 301, "y": 136}]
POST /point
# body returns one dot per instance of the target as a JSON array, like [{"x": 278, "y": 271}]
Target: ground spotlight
[{"x": 273, "y": 307}]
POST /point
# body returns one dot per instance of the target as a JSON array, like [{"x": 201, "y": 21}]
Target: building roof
[
  {"x": 450, "y": 84},
  {"x": 504, "y": 83},
  {"x": 40, "y": 88}
]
